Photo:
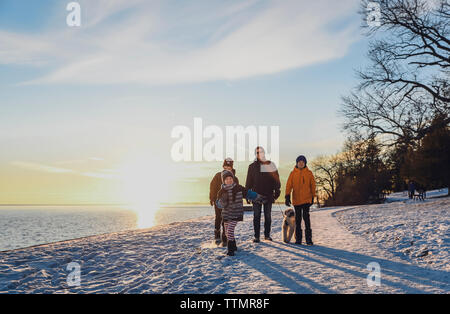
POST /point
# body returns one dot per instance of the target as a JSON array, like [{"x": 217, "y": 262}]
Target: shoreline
[
  {"x": 104, "y": 234},
  {"x": 275, "y": 209},
  {"x": 137, "y": 229}
]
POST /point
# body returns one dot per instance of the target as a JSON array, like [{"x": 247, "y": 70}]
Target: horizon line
[{"x": 102, "y": 204}]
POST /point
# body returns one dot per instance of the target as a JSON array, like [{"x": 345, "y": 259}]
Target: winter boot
[
  {"x": 308, "y": 236},
  {"x": 256, "y": 240},
  {"x": 230, "y": 251},
  {"x": 224, "y": 239},
  {"x": 233, "y": 245},
  {"x": 298, "y": 234},
  {"x": 217, "y": 237}
]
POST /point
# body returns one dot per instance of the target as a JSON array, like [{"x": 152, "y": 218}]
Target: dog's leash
[{"x": 282, "y": 213}]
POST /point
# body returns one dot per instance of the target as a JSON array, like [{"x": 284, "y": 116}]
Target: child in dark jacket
[
  {"x": 230, "y": 199},
  {"x": 214, "y": 187}
]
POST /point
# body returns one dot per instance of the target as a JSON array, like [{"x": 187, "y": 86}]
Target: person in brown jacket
[
  {"x": 214, "y": 187},
  {"x": 302, "y": 184}
]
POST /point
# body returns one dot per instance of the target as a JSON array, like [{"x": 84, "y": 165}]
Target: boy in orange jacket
[{"x": 303, "y": 185}]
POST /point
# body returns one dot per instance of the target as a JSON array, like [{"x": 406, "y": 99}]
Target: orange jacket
[{"x": 304, "y": 185}]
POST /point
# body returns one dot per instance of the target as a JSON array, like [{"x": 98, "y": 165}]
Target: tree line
[{"x": 397, "y": 118}]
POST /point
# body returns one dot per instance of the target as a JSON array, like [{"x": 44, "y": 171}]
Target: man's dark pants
[
  {"x": 302, "y": 211},
  {"x": 218, "y": 222},
  {"x": 257, "y": 218}
]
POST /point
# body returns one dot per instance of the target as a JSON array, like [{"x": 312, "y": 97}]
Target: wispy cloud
[
  {"x": 24, "y": 49},
  {"x": 40, "y": 167},
  {"x": 78, "y": 161},
  {"x": 96, "y": 158},
  {"x": 166, "y": 42},
  {"x": 101, "y": 174}
]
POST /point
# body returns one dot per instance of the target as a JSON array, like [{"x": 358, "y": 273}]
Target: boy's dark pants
[
  {"x": 218, "y": 222},
  {"x": 302, "y": 211},
  {"x": 257, "y": 218}
]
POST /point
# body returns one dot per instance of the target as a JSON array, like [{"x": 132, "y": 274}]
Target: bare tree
[
  {"x": 414, "y": 36},
  {"x": 407, "y": 82},
  {"x": 392, "y": 117},
  {"x": 326, "y": 169}
]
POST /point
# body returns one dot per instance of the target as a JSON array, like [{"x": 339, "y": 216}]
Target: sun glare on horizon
[{"x": 145, "y": 186}]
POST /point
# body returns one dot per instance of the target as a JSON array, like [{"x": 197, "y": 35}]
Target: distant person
[
  {"x": 214, "y": 188},
  {"x": 302, "y": 184},
  {"x": 406, "y": 188},
  {"x": 263, "y": 178},
  {"x": 230, "y": 201},
  {"x": 411, "y": 188}
]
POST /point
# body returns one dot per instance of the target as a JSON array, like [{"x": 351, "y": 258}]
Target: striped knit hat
[{"x": 226, "y": 174}]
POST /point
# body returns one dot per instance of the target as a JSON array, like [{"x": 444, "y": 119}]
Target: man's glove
[
  {"x": 288, "y": 200},
  {"x": 276, "y": 195}
]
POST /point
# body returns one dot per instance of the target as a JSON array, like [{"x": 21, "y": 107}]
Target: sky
[{"x": 86, "y": 113}]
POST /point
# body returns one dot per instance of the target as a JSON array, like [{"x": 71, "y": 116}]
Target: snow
[
  {"x": 180, "y": 257},
  {"x": 417, "y": 231},
  {"x": 403, "y": 196}
]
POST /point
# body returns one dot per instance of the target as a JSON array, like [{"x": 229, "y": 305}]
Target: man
[
  {"x": 302, "y": 184},
  {"x": 214, "y": 187},
  {"x": 263, "y": 178}
]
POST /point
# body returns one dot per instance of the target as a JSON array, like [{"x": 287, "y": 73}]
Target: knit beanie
[
  {"x": 226, "y": 174},
  {"x": 301, "y": 157}
]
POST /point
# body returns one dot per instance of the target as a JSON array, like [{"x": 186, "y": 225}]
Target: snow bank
[
  {"x": 403, "y": 196},
  {"x": 414, "y": 230}
]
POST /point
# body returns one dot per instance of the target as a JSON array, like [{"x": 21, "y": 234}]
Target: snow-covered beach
[
  {"x": 416, "y": 231},
  {"x": 179, "y": 257}
]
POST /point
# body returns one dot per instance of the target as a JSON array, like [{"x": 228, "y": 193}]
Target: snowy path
[{"x": 178, "y": 258}]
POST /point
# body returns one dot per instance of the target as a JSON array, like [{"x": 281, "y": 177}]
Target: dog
[
  {"x": 420, "y": 195},
  {"x": 288, "y": 225}
]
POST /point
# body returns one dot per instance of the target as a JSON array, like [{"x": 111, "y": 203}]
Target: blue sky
[{"x": 117, "y": 85}]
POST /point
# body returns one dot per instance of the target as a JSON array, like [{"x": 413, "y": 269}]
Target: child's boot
[
  {"x": 224, "y": 239},
  {"x": 233, "y": 245},
  {"x": 230, "y": 248}
]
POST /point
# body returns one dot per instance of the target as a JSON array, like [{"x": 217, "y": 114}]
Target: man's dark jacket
[{"x": 264, "y": 183}]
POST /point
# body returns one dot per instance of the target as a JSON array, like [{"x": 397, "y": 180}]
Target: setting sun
[{"x": 145, "y": 185}]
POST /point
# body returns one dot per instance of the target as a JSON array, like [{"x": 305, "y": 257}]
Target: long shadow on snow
[
  {"x": 283, "y": 276},
  {"x": 407, "y": 271},
  {"x": 402, "y": 271}
]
